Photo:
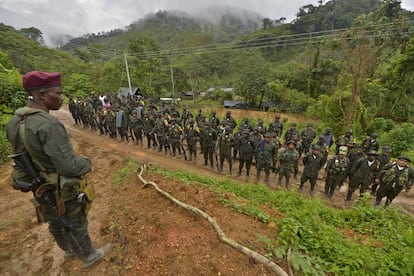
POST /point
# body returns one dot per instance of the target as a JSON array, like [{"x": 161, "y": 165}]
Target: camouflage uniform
[
  {"x": 383, "y": 159},
  {"x": 110, "y": 119},
  {"x": 393, "y": 180},
  {"x": 72, "y": 109},
  {"x": 307, "y": 136},
  {"x": 90, "y": 113},
  {"x": 247, "y": 148},
  {"x": 287, "y": 158},
  {"x": 192, "y": 135},
  {"x": 209, "y": 138},
  {"x": 160, "y": 127},
  {"x": 174, "y": 136},
  {"x": 214, "y": 121},
  {"x": 299, "y": 149},
  {"x": 225, "y": 145},
  {"x": 148, "y": 127},
  {"x": 313, "y": 161},
  {"x": 345, "y": 140},
  {"x": 362, "y": 173},
  {"x": 266, "y": 157},
  {"x": 276, "y": 126},
  {"x": 256, "y": 138},
  {"x": 291, "y": 132},
  {"x": 371, "y": 143},
  {"x": 336, "y": 171},
  {"x": 229, "y": 121},
  {"x": 46, "y": 141},
  {"x": 137, "y": 125},
  {"x": 237, "y": 138},
  {"x": 260, "y": 127}
]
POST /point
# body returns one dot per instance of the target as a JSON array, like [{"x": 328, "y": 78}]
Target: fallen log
[{"x": 271, "y": 266}]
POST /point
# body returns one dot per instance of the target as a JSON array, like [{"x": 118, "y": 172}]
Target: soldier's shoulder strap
[{"x": 22, "y": 136}]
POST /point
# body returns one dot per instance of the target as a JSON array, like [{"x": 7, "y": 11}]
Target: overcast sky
[{"x": 78, "y": 17}]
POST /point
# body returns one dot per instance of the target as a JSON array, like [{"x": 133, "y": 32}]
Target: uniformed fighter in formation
[{"x": 221, "y": 142}]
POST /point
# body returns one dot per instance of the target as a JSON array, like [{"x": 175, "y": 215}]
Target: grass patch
[
  {"x": 128, "y": 168},
  {"x": 324, "y": 239}
]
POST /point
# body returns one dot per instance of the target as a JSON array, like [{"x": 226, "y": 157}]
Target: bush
[
  {"x": 401, "y": 139},
  {"x": 11, "y": 97},
  {"x": 380, "y": 125}
]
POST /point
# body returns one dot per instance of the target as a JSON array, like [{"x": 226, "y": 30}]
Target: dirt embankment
[{"x": 151, "y": 235}]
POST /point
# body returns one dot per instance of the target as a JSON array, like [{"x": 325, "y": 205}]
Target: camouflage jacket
[
  {"x": 337, "y": 167},
  {"x": 287, "y": 157},
  {"x": 391, "y": 176}
]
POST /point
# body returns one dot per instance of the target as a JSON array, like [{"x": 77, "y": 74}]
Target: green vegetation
[
  {"x": 346, "y": 63},
  {"x": 125, "y": 172},
  {"x": 11, "y": 97},
  {"x": 361, "y": 241}
]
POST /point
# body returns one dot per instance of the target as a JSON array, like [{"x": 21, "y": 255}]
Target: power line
[{"x": 272, "y": 41}]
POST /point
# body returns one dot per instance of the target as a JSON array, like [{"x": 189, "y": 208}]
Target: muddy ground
[{"x": 151, "y": 235}]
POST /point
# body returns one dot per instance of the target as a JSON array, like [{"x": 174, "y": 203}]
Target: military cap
[
  {"x": 294, "y": 124},
  {"x": 404, "y": 157},
  {"x": 291, "y": 142},
  {"x": 207, "y": 123},
  {"x": 191, "y": 121},
  {"x": 38, "y": 80},
  {"x": 343, "y": 150},
  {"x": 227, "y": 128},
  {"x": 349, "y": 131},
  {"x": 309, "y": 125},
  {"x": 245, "y": 132},
  {"x": 374, "y": 135},
  {"x": 260, "y": 121},
  {"x": 372, "y": 152},
  {"x": 316, "y": 147},
  {"x": 268, "y": 135},
  {"x": 277, "y": 117},
  {"x": 321, "y": 137},
  {"x": 386, "y": 149},
  {"x": 328, "y": 129},
  {"x": 173, "y": 119},
  {"x": 228, "y": 112}
]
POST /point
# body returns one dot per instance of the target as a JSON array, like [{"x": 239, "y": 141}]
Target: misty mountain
[{"x": 223, "y": 24}]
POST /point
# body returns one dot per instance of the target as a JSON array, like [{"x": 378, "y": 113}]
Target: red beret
[{"x": 37, "y": 80}]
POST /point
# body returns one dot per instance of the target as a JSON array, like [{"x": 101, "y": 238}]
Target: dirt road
[{"x": 151, "y": 235}]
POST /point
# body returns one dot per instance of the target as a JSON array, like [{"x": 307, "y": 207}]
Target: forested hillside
[{"x": 345, "y": 62}]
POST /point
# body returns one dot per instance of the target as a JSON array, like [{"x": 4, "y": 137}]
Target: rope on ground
[{"x": 271, "y": 266}]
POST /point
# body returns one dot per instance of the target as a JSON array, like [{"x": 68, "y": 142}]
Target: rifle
[
  {"x": 182, "y": 148},
  {"x": 131, "y": 134},
  {"x": 217, "y": 162},
  {"x": 43, "y": 192}
]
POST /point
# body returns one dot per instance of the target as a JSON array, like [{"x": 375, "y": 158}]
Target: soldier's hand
[{"x": 377, "y": 181}]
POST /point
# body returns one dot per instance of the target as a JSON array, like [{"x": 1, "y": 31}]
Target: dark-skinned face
[{"x": 52, "y": 97}]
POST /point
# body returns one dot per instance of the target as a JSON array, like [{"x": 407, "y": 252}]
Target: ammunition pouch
[{"x": 78, "y": 188}]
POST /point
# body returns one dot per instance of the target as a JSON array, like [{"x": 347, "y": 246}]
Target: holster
[
  {"x": 40, "y": 217},
  {"x": 78, "y": 188}
]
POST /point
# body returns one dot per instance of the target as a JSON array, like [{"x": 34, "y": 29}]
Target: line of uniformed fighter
[{"x": 166, "y": 129}]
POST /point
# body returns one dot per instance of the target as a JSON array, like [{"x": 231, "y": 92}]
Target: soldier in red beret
[{"x": 46, "y": 164}]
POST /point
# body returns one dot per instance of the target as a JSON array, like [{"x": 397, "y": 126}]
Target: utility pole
[
  {"x": 127, "y": 71},
  {"x": 172, "y": 77}
]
